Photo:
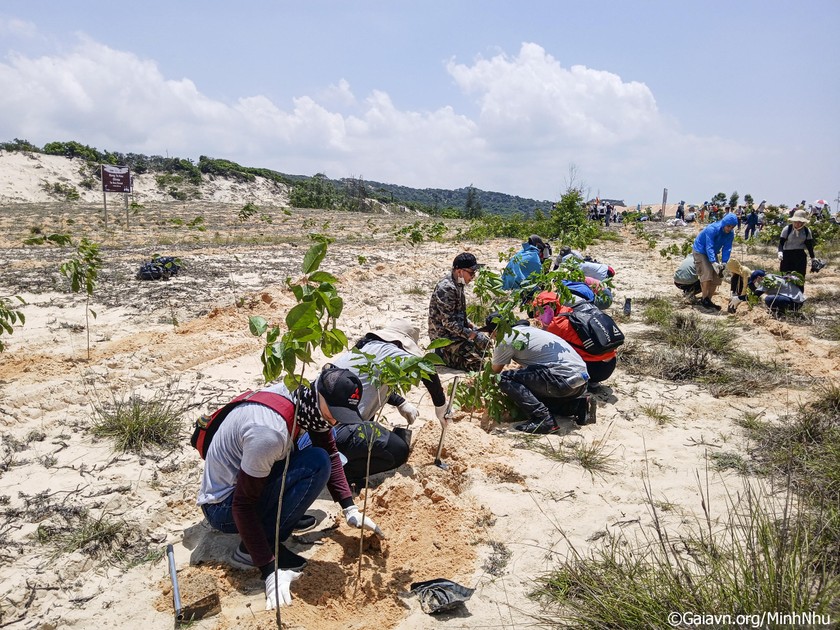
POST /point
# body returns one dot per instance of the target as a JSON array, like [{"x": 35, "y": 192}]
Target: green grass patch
[
  {"x": 658, "y": 312},
  {"x": 762, "y": 558},
  {"x": 136, "y": 424}
]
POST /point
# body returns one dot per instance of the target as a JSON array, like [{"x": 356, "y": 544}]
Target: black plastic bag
[{"x": 439, "y": 595}]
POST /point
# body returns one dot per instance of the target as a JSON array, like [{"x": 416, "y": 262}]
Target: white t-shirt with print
[{"x": 251, "y": 438}]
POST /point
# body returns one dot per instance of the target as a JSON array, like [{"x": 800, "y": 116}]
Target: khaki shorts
[{"x": 705, "y": 271}]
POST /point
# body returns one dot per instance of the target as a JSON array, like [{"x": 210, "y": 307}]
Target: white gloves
[
  {"x": 279, "y": 594},
  {"x": 354, "y": 519},
  {"x": 718, "y": 267},
  {"x": 733, "y": 303},
  {"x": 408, "y": 411},
  {"x": 441, "y": 414},
  {"x": 781, "y": 254}
]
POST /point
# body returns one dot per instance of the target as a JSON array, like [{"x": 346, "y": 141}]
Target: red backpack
[{"x": 207, "y": 425}]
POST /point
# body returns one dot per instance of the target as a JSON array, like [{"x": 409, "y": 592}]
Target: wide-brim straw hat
[
  {"x": 403, "y": 331},
  {"x": 738, "y": 269},
  {"x": 800, "y": 215}
]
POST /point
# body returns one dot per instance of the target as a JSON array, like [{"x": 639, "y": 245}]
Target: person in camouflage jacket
[{"x": 448, "y": 318}]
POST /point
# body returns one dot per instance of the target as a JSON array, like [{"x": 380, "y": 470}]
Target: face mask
[
  {"x": 308, "y": 412},
  {"x": 460, "y": 280},
  {"x": 547, "y": 315}
]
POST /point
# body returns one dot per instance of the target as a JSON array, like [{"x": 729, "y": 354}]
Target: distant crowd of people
[{"x": 702, "y": 271}]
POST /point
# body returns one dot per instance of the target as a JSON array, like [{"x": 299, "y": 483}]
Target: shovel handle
[
  {"x": 173, "y": 575},
  {"x": 448, "y": 411}
]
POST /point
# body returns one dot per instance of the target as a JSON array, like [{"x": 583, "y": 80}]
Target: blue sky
[{"x": 698, "y": 97}]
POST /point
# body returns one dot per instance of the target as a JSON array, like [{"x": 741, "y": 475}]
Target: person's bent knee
[{"x": 317, "y": 460}]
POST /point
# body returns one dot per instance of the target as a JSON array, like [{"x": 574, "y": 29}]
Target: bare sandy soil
[{"x": 498, "y": 519}]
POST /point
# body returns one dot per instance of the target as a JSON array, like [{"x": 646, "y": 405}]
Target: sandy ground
[{"x": 502, "y": 515}]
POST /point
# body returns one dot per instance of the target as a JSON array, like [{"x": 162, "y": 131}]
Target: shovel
[
  {"x": 438, "y": 462},
  {"x": 193, "y": 611}
]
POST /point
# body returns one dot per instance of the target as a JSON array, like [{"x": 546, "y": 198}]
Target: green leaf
[
  {"x": 21, "y": 317},
  {"x": 257, "y": 325},
  {"x": 302, "y": 316},
  {"x": 291, "y": 381},
  {"x": 306, "y": 335},
  {"x": 312, "y": 259},
  {"x": 322, "y": 276},
  {"x": 439, "y": 343},
  {"x": 272, "y": 335},
  {"x": 6, "y": 326},
  {"x": 297, "y": 290},
  {"x": 303, "y": 354},
  {"x": 92, "y": 312},
  {"x": 336, "y": 306}
]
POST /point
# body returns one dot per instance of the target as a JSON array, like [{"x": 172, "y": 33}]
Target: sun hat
[
  {"x": 800, "y": 215},
  {"x": 465, "y": 261},
  {"x": 342, "y": 391},
  {"x": 403, "y": 331}
]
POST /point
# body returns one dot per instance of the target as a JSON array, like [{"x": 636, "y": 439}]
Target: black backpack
[
  {"x": 598, "y": 331},
  {"x": 160, "y": 268}
]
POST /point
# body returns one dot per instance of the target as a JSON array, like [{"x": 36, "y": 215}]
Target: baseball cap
[
  {"x": 490, "y": 322},
  {"x": 342, "y": 391},
  {"x": 465, "y": 261}
]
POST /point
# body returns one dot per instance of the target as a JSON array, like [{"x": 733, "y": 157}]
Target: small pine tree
[{"x": 472, "y": 209}]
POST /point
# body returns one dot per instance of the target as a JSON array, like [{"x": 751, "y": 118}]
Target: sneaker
[
  {"x": 241, "y": 558},
  {"x": 582, "y": 413},
  {"x": 305, "y": 524},
  {"x": 290, "y": 560},
  {"x": 541, "y": 427},
  {"x": 707, "y": 303}
]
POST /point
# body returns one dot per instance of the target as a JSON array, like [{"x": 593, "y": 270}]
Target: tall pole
[{"x": 104, "y": 196}]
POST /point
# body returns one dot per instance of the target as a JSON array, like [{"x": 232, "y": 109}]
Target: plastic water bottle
[{"x": 627, "y": 307}]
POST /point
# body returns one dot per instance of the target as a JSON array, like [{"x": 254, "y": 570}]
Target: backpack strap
[{"x": 206, "y": 426}]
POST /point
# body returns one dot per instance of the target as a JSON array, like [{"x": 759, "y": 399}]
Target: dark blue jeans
[
  {"x": 309, "y": 470},
  {"x": 532, "y": 385}
]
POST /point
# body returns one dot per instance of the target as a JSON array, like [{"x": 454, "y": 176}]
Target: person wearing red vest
[
  {"x": 244, "y": 467},
  {"x": 549, "y": 314}
]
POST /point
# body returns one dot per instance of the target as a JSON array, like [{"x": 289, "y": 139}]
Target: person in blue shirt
[
  {"x": 752, "y": 224},
  {"x": 711, "y": 249},
  {"x": 526, "y": 261}
]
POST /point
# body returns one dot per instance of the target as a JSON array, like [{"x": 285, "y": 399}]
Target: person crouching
[{"x": 552, "y": 378}]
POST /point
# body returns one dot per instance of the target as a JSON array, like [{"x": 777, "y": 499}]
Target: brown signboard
[{"x": 116, "y": 179}]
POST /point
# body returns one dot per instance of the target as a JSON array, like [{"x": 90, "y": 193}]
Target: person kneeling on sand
[
  {"x": 552, "y": 316},
  {"x": 527, "y": 261},
  {"x": 243, "y": 473},
  {"x": 737, "y": 283},
  {"x": 685, "y": 278},
  {"x": 781, "y": 293},
  {"x": 715, "y": 240},
  {"x": 552, "y": 378},
  {"x": 398, "y": 339}
]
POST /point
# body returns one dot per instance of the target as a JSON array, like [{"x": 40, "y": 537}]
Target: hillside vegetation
[{"x": 355, "y": 194}]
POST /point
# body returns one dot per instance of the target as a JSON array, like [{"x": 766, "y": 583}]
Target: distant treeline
[{"x": 434, "y": 201}]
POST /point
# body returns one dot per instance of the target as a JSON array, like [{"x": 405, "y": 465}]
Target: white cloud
[
  {"x": 533, "y": 99},
  {"x": 536, "y": 117}
]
